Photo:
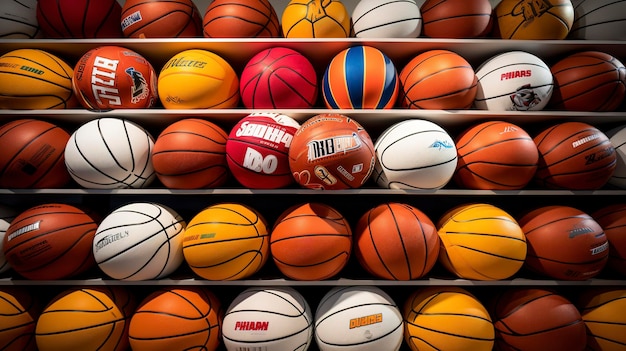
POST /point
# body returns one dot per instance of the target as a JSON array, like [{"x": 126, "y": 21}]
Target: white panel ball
[
  {"x": 110, "y": 153},
  {"x": 513, "y": 81},
  {"x": 617, "y": 136},
  {"x": 358, "y": 318},
  {"x": 139, "y": 241},
  {"x": 387, "y": 19},
  {"x": 414, "y": 154},
  {"x": 6, "y": 216},
  {"x": 599, "y": 20},
  {"x": 18, "y": 19}
]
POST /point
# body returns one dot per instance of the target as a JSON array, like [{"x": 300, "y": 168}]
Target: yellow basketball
[
  {"x": 481, "y": 242},
  {"x": 316, "y": 19},
  {"x": 517, "y": 19},
  {"x": 447, "y": 318},
  {"x": 198, "y": 79},
  {"x": 227, "y": 241},
  {"x": 602, "y": 310},
  {"x": 19, "y": 310},
  {"x": 35, "y": 79}
]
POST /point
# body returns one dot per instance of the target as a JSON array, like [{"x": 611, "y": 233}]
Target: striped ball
[{"x": 360, "y": 77}]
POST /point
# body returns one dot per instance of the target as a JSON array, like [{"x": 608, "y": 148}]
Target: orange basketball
[
  {"x": 574, "y": 155},
  {"x": 517, "y": 19},
  {"x": 602, "y": 311},
  {"x": 241, "y": 19},
  {"x": 311, "y": 241},
  {"x": 612, "y": 219},
  {"x": 50, "y": 241},
  {"x": 496, "y": 155},
  {"x": 564, "y": 243},
  {"x": 177, "y": 318},
  {"x": 161, "y": 19},
  {"x": 437, "y": 79},
  {"x": 396, "y": 241},
  {"x": 588, "y": 81},
  {"x": 456, "y": 18},
  {"x": 19, "y": 310},
  {"x": 191, "y": 154},
  {"x": 32, "y": 155}
]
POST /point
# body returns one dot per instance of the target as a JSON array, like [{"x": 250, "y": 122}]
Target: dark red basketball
[
  {"x": 161, "y": 19},
  {"x": 241, "y": 19},
  {"x": 456, "y": 18},
  {"x": 79, "y": 18},
  {"x": 612, "y": 219}
]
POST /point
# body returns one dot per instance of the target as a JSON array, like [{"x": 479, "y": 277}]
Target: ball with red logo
[
  {"x": 114, "y": 77},
  {"x": 257, "y": 150}
]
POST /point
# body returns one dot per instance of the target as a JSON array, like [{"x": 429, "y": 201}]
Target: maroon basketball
[
  {"x": 612, "y": 219},
  {"x": 79, "y": 18},
  {"x": 456, "y": 18}
]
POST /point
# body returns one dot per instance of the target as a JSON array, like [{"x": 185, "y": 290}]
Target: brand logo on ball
[
  {"x": 508, "y": 129},
  {"x": 600, "y": 155},
  {"x": 516, "y": 74},
  {"x": 585, "y": 140},
  {"x": 184, "y": 62},
  {"x": 274, "y": 135},
  {"x": 109, "y": 239},
  {"x": 254, "y": 161},
  {"x": 23, "y": 230},
  {"x": 324, "y": 175},
  {"x": 441, "y": 144},
  {"x": 131, "y": 19},
  {"x": 576, "y": 231},
  {"x": 530, "y": 9},
  {"x": 103, "y": 81},
  {"x": 524, "y": 98},
  {"x": 366, "y": 320},
  {"x": 140, "y": 89},
  {"x": 252, "y": 325},
  {"x": 334, "y": 145},
  {"x": 599, "y": 249}
]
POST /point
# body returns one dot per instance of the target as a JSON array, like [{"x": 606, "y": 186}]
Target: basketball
[
  {"x": 574, "y": 156},
  {"x": 269, "y": 318},
  {"x": 51, "y": 241},
  {"x": 588, "y": 81},
  {"x": 278, "y": 77},
  {"x": 19, "y": 311},
  {"x": 533, "y": 20},
  {"x": 32, "y": 79},
  {"x": 139, "y": 241},
  {"x": 110, "y": 153},
  {"x": 617, "y": 137},
  {"x": 6, "y": 216},
  {"x": 612, "y": 220},
  {"x": 496, "y": 155},
  {"x": 388, "y": 19},
  {"x": 176, "y": 318},
  {"x": 536, "y": 319},
  {"x": 363, "y": 318},
  {"x": 316, "y": 19},
  {"x": 599, "y": 20},
  {"x": 437, "y": 79},
  {"x": 513, "y": 81},
  {"x": 257, "y": 150},
  {"x": 191, "y": 154},
  {"x": 32, "y": 154},
  {"x": 583, "y": 246},
  {"x": 396, "y": 241},
  {"x": 481, "y": 242},
  {"x": 226, "y": 241},
  {"x": 348, "y": 82},
  {"x": 194, "y": 79},
  {"x": 241, "y": 19},
  {"x": 86, "y": 319},
  {"x": 600, "y": 310},
  {"x": 457, "y": 19},
  {"x": 331, "y": 151},
  {"x": 446, "y": 318},
  {"x": 161, "y": 19},
  {"x": 19, "y": 20},
  {"x": 77, "y": 19},
  {"x": 414, "y": 154},
  {"x": 113, "y": 77},
  {"x": 311, "y": 241}
]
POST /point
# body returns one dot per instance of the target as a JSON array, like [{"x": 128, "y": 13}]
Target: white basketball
[
  {"x": 387, "y": 19},
  {"x": 18, "y": 19},
  {"x": 513, "y": 81},
  {"x": 599, "y": 20},
  {"x": 414, "y": 154},
  {"x": 139, "y": 241},
  {"x": 6, "y": 216},
  {"x": 617, "y": 136},
  {"x": 110, "y": 153},
  {"x": 268, "y": 319},
  {"x": 358, "y": 318}
]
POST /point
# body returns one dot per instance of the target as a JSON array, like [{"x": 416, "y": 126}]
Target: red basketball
[
  {"x": 396, "y": 241},
  {"x": 51, "y": 241},
  {"x": 612, "y": 219},
  {"x": 278, "y": 77},
  {"x": 456, "y": 18},
  {"x": 113, "y": 77},
  {"x": 437, "y": 79},
  {"x": 331, "y": 151},
  {"x": 574, "y": 155},
  {"x": 241, "y": 19},
  {"x": 161, "y": 19},
  {"x": 191, "y": 154},
  {"x": 32, "y": 155},
  {"x": 311, "y": 241},
  {"x": 533, "y": 319},
  {"x": 496, "y": 155},
  {"x": 588, "y": 81},
  {"x": 564, "y": 243},
  {"x": 257, "y": 150},
  {"x": 79, "y": 18}
]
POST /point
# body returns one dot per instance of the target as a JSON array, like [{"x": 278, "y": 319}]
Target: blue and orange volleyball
[{"x": 360, "y": 77}]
